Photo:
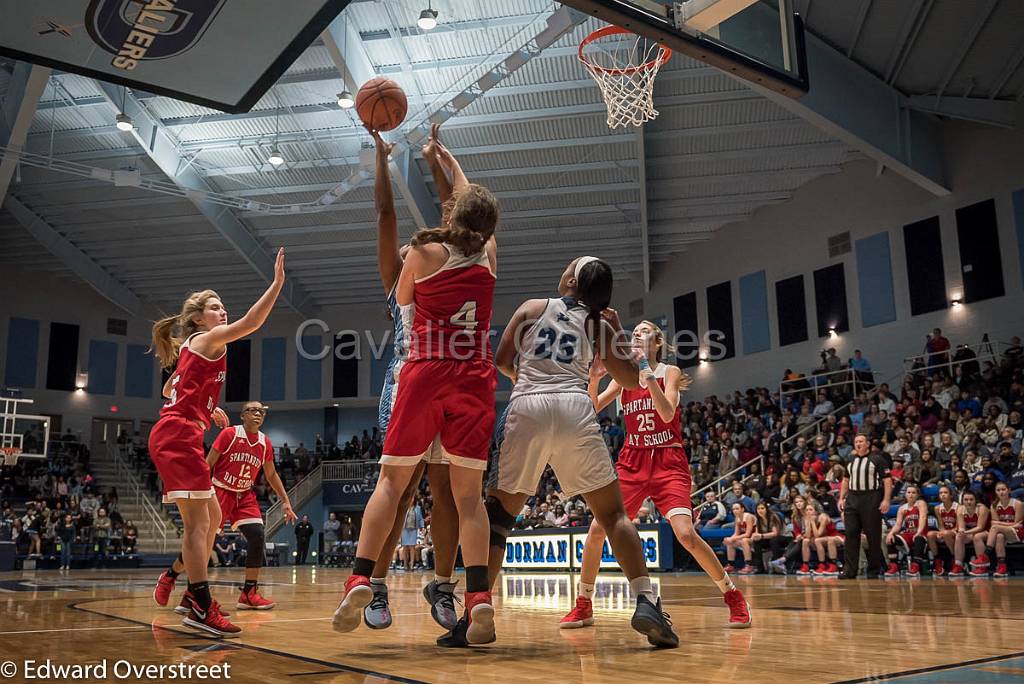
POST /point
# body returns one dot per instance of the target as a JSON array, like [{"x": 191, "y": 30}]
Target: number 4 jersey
[
  {"x": 557, "y": 352},
  {"x": 644, "y": 427}
]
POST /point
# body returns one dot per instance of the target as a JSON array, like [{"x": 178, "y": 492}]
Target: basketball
[{"x": 381, "y": 104}]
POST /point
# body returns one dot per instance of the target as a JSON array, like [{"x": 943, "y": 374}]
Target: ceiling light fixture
[
  {"x": 122, "y": 120},
  {"x": 346, "y": 100},
  {"x": 275, "y": 158},
  {"x": 428, "y": 18}
]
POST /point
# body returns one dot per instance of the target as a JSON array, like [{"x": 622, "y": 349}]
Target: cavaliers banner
[{"x": 223, "y": 54}]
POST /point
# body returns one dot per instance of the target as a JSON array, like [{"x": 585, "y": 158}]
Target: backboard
[
  {"x": 761, "y": 41},
  {"x": 214, "y": 53}
]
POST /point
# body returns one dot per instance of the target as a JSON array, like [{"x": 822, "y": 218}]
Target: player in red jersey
[
  {"x": 236, "y": 458},
  {"x": 652, "y": 464},
  {"x": 909, "y": 533},
  {"x": 743, "y": 530},
  {"x": 444, "y": 520},
  {"x": 945, "y": 516},
  {"x": 1007, "y": 528},
  {"x": 447, "y": 387},
  {"x": 971, "y": 524},
  {"x": 197, "y": 340},
  {"x": 827, "y": 541}
]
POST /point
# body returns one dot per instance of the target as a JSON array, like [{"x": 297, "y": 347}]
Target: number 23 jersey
[
  {"x": 644, "y": 427},
  {"x": 556, "y": 351}
]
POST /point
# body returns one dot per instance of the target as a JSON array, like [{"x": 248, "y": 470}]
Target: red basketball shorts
[
  {"x": 453, "y": 399},
  {"x": 662, "y": 474},
  {"x": 238, "y": 508},
  {"x": 176, "y": 449}
]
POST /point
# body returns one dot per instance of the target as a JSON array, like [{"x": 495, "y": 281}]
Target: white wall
[{"x": 791, "y": 239}]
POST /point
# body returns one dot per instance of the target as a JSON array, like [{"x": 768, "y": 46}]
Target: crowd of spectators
[{"x": 54, "y": 507}]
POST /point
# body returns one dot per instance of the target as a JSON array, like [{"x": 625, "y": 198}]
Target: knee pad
[
  {"x": 256, "y": 543},
  {"x": 501, "y": 521}
]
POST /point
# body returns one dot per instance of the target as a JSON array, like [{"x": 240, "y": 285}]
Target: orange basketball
[{"x": 381, "y": 104}]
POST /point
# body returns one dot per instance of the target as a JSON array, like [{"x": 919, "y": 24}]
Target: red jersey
[
  {"x": 242, "y": 456},
  {"x": 830, "y": 529},
  {"x": 1004, "y": 514},
  {"x": 452, "y": 313},
  {"x": 971, "y": 519},
  {"x": 195, "y": 385},
  {"x": 741, "y": 526},
  {"x": 644, "y": 427},
  {"x": 797, "y": 530},
  {"x": 911, "y": 518},
  {"x": 946, "y": 517}
]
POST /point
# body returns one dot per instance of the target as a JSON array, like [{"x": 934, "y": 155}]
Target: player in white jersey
[{"x": 547, "y": 350}]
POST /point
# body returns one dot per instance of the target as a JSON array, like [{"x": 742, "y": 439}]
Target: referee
[{"x": 863, "y": 500}]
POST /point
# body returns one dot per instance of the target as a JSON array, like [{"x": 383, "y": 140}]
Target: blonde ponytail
[{"x": 171, "y": 332}]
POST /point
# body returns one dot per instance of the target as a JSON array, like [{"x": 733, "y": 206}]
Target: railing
[
  {"x": 138, "y": 495},
  {"x": 844, "y": 377},
  {"x": 350, "y": 470},
  {"x": 983, "y": 351},
  {"x": 298, "y": 495},
  {"x": 718, "y": 483}
]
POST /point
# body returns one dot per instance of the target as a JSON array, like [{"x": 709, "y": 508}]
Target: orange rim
[{"x": 664, "y": 53}]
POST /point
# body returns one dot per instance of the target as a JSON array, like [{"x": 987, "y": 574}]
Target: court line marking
[
  {"x": 77, "y": 605},
  {"x": 925, "y": 670},
  {"x": 69, "y": 629},
  {"x": 821, "y": 590}
]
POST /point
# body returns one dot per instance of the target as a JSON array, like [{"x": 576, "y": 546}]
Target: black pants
[
  {"x": 862, "y": 515},
  {"x": 303, "y": 550}
]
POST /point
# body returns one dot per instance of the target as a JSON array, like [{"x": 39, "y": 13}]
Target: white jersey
[{"x": 557, "y": 351}]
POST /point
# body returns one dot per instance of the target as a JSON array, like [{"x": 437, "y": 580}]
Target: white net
[{"x": 624, "y": 66}]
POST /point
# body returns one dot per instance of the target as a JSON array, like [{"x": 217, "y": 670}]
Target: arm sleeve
[{"x": 882, "y": 467}]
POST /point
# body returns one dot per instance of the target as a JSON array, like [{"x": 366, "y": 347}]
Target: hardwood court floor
[{"x": 804, "y": 630}]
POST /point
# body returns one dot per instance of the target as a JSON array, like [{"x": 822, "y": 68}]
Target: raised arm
[
  {"x": 389, "y": 260},
  {"x": 441, "y": 181},
  {"x": 515, "y": 332},
  {"x": 665, "y": 402},
  {"x": 452, "y": 166},
  {"x": 615, "y": 351},
  {"x": 611, "y": 392},
  {"x": 212, "y": 344}
]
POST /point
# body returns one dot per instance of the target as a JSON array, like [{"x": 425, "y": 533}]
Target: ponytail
[
  {"x": 469, "y": 220},
  {"x": 594, "y": 289},
  {"x": 170, "y": 333}
]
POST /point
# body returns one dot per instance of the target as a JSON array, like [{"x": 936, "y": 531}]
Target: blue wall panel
[
  {"x": 308, "y": 377},
  {"x": 874, "y": 280},
  {"x": 272, "y": 368},
  {"x": 138, "y": 372},
  {"x": 102, "y": 367},
  {"x": 22, "y": 353},
  {"x": 754, "y": 313}
]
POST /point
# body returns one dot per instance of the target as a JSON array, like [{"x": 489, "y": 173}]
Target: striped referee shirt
[{"x": 867, "y": 472}]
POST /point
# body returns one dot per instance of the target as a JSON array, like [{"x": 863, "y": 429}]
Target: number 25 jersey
[{"x": 644, "y": 427}]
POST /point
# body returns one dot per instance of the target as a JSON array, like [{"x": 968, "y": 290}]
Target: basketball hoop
[
  {"x": 11, "y": 455},
  {"x": 624, "y": 66}
]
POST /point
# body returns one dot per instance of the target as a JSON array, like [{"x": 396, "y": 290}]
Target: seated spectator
[
  {"x": 968, "y": 403},
  {"x": 827, "y": 541},
  {"x": 1015, "y": 476},
  {"x": 925, "y": 471},
  {"x": 224, "y": 550},
  {"x": 131, "y": 537},
  {"x": 861, "y": 367},
  {"x": 945, "y": 518},
  {"x": 745, "y": 524},
  {"x": 767, "y": 537},
  {"x": 823, "y": 407},
  {"x": 885, "y": 401},
  {"x": 711, "y": 513},
  {"x": 738, "y": 494},
  {"x": 561, "y": 517}
]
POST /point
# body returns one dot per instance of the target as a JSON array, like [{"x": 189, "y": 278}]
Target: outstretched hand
[
  {"x": 279, "y": 266},
  {"x": 220, "y": 419},
  {"x": 685, "y": 380},
  {"x": 383, "y": 147},
  {"x": 433, "y": 142},
  {"x": 597, "y": 369},
  {"x": 612, "y": 317}
]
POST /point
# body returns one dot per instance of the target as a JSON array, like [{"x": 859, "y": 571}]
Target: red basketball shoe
[
  {"x": 164, "y": 587},
  {"x": 212, "y": 621},
  {"x": 582, "y": 615},
  {"x": 251, "y": 600},
  {"x": 739, "y": 609},
  {"x": 1001, "y": 570},
  {"x": 481, "y": 617},
  {"x": 957, "y": 570},
  {"x": 358, "y": 595},
  {"x": 892, "y": 570}
]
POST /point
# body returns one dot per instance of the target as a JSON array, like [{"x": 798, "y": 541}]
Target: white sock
[
  {"x": 586, "y": 591},
  {"x": 641, "y": 586},
  {"x": 725, "y": 584},
  {"x": 379, "y": 580},
  {"x": 442, "y": 580}
]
